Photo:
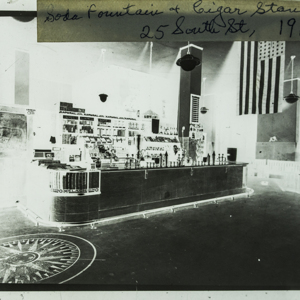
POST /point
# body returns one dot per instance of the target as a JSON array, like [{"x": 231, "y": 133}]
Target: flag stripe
[
  {"x": 247, "y": 78},
  {"x": 269, "y": 86},
  {"x": 265, "y": 86},
  {"x": 276, "y": 94},
  {"x": 281, "y": 51},
  {"x": 273, "y": 86},
  {"x": 251, "y": 76},
  {"x": 241, "y": 79},
  {"x": 245, "y": 75},
  {"x": 261, "y": 86},
  {"x": 261, "y": 77},
  {"x": 254, "y": 77}
]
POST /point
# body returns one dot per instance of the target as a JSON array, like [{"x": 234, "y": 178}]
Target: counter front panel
[{"x": 128, "y": 191}]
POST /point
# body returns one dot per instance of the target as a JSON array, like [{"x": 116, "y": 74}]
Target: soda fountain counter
[
  {"x": 104, "y": 166},
  {"x": 78, "y": 196}
]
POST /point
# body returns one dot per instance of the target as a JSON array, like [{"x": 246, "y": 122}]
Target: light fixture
[
  {"x": 103, "y": 97},
  {"x": 203, "y": 110},
  {"x": 292, "y": 98},
  {"x": 188, "y": 62}
]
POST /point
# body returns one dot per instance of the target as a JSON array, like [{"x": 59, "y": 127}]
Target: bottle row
[{"x": 168, "y": 130}]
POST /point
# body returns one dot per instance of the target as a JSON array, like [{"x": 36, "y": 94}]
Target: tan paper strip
[{"x": 100, "y": 21}]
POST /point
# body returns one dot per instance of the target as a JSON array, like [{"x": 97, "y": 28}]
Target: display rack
[
  {"x": 80, "y": 182},
  {"x": 63, "y": 179},
  {"x": 69, "y": 129},
  {"x": 73, "y": 125}
]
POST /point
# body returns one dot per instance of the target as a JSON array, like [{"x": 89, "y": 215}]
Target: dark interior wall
[{"x": 282, "y": 125}]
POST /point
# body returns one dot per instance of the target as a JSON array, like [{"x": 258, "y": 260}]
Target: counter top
[{"x": 177, "y": 167}]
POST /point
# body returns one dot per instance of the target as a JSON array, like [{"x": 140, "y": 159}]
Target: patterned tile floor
[{"x": 250, "y": 243}]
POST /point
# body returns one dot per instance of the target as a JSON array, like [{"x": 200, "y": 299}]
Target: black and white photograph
[{"x": 150, "y": 165}]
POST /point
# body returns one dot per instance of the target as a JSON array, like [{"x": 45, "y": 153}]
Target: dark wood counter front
[{"x": 128, "y": 191}]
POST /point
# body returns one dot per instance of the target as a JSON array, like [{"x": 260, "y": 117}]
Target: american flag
[{"x": 261, "y": 77}]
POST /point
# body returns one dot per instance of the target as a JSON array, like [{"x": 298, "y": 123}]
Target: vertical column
[
  {"x": 190, "y": 83},
  {"x": 297, "y": 139}
]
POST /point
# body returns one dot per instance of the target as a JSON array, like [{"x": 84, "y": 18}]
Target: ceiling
[{"x": 69, "y": 62}]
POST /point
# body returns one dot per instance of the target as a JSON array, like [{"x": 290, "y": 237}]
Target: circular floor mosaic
[{"x": 48, "y": 258}]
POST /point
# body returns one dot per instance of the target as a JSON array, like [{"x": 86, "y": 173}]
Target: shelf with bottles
[
  {"x": 137, "y": 129},
  {"x": 95, "y": 141},
  {"x": 158, "y": 138},
  {"x": 119, "y": 124},
  {"x": 168, "y": 130},
  {"x": 103, "y": 122},
  {"x": 86, "y": 125},
  {"x": 136, "y": 125},
  {"x": 119, "y": 132},
  {"x": 69, "y": 124},
  {"x": 132, "y": 133},
  {"x": 104, "y": 131}
]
